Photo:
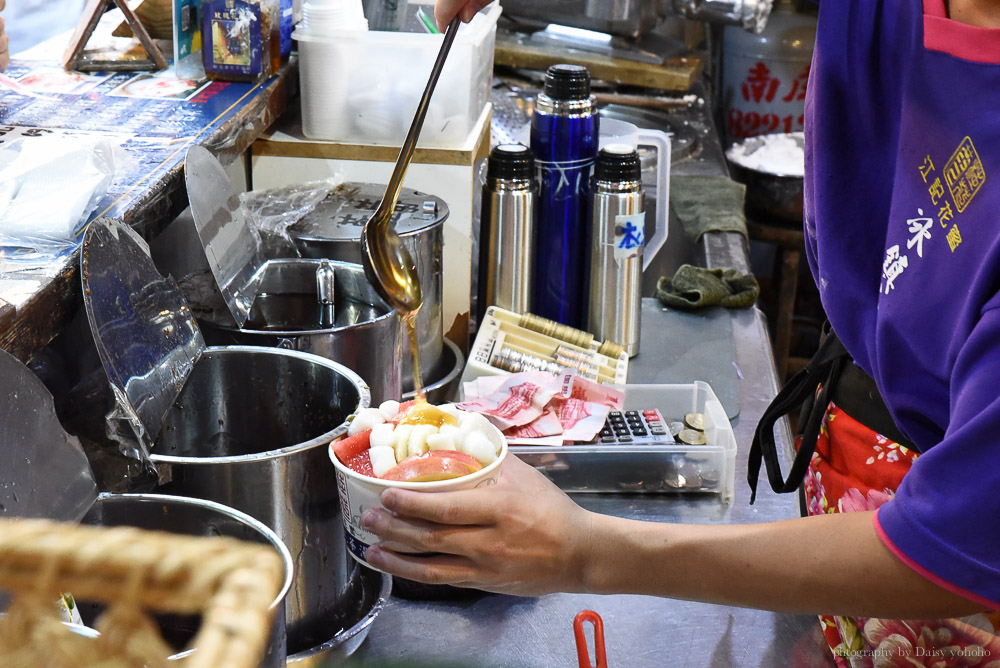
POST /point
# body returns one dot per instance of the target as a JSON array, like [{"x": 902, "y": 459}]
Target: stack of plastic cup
[
  {"x": 321, "y": 18},
  {"x": 325, "y": 56}
]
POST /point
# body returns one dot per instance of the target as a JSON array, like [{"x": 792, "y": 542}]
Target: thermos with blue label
[
  {"x": 616, "y": 242},
  {"x": 564, "y": 137}
]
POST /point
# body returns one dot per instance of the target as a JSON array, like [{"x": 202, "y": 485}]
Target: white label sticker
[{"x": 630, "y": 235}]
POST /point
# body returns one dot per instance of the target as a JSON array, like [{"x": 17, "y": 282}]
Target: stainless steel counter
[{"x": 494, "y": 630}]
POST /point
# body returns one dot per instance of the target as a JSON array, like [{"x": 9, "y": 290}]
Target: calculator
[{"x": 636, "y": 427}]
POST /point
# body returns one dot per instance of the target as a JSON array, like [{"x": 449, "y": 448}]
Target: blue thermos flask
[{"x": 564, "y": 138}]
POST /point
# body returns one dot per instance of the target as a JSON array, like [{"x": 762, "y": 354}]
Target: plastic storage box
[
  {"x": 673, "y": 468},
  {"x": 363, "y": 87}
]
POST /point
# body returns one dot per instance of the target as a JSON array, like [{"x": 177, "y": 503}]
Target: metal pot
[
  {"x": 770, "y": 193},
  {"x": 772, "y": 196},
  {"x": 277, "y": 301},
  {"x": 192, "y": 517},
  {"x": 366, "y": 337},
  {"x": 244, "y": 426},
  {"x": 333, "y": 230},
  {"x": 232, "y": 438}
]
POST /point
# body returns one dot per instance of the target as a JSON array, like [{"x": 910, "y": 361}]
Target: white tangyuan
[{"x": 366, "y": 419}]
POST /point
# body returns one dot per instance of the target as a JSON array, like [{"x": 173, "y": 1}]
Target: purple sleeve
[{"x": 945, "y": 518}]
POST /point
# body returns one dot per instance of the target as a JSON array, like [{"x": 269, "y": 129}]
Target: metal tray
[{"x": 372, "y": 592}]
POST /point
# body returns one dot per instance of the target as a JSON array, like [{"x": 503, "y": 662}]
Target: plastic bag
[
  {"x": 272, "y": 212},
  {"x": 49, "y": 187}
]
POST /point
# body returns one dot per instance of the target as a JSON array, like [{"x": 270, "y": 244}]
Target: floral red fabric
[{"x": 855, "y": 468}]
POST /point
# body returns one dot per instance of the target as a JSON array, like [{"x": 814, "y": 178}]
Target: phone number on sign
[{"x": 742, "y": 124}]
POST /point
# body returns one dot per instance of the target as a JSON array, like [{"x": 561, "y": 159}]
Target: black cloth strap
[
  {"x": 822, "y": 372},
  {"x": 831, "y": 375}
]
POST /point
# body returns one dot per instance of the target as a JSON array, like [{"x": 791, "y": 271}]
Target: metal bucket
[
  {"x": 333, "y": 230},
  {"x": 192, "y": 517},
  {"x": 233, "y": 437},
  {"x": 366, "y": 337}
]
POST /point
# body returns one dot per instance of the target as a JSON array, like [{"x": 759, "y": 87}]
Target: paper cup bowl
[{"x": 359, "y": 492}]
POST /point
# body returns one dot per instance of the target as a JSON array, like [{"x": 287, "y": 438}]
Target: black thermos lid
[
  {"x": 617, "y": 163},
  {"x": 510, "y": 161},
  {"x": 567, "y": 82}
]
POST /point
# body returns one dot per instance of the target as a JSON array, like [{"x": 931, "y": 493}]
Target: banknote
[
  {"x": 520, "y": 399},
  {"x": 580, "y": 420},
  {"x": 547, "y": 424},
  {"x": 587, "y": 390}
]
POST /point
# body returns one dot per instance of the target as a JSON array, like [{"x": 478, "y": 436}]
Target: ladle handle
[{"x": 391, "y": 196}]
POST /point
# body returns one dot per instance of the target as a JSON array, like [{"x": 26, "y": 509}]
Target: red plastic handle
[{"x": 582, "y": 653}]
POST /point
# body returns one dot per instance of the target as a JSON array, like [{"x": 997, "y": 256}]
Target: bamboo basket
[{"x": 231, "y": 583}]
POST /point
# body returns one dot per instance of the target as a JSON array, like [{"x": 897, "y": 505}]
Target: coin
[
  {"x": 676, "y": 427},
  {"x": 674, "y": 481},
  {"x": 695, "y": 421},
  {"x": 691, "y": 437},
  {"x": 691, "y": 476},
  {"x": 710, "y": 477}
]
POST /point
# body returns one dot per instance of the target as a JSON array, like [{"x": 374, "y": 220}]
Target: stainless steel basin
[
  {"x": 250, "y": 430},
  {"x": 192, "y": 517}
]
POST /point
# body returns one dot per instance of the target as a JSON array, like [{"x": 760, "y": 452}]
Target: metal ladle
[{"x": 388, "y": 265}]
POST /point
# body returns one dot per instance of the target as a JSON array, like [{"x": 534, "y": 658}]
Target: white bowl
[{"x": 360, "y": 492}]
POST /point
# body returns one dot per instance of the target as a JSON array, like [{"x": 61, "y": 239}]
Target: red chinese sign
[{"x": 762, "y": 89}]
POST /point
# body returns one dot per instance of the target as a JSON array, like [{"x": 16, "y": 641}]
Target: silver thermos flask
[
  {"x": 617, "y": 237},
  {"x": 507, "y": 230}
]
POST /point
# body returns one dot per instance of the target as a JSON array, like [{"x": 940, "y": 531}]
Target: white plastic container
[
  {"x": 500, "y": 333},
  {"x": 709, "y": 468},
  {"x": 363, "y": 87}
]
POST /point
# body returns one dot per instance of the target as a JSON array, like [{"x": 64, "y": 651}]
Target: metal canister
[
  {"x": 616, "y": 243},
  {"x": 764, "y": 76},
  {"x": 750, "y": 15},
  {"x": 332, "y": 230},
  {"x": 564, "y": 137},
  {"x": 343, "y": 320},
  {"x": 507, "y": 230}
]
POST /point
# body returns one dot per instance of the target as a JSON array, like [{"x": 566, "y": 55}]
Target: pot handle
[
  {"x": 661, "y": 141},
  {"x": 164, "y": 473},
  {"x": 287, "y": 344}
]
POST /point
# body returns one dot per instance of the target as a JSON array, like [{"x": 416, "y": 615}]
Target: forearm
[
  {"x": 830, "y": 564},
  {"x": 526, "y": 537}
]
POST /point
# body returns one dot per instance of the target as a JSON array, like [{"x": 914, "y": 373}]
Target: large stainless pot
[
  {"x": 193, "y": 517},
  {"x": 333, "y": 230},
  {"x": 366, "y": 336},
  {"x": 244, "y": 426},
  {"x": 233, "y": 437}
]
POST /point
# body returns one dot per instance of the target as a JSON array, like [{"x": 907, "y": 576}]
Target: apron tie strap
[{"x": 821, "y": 373}]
